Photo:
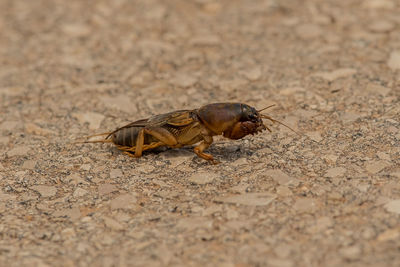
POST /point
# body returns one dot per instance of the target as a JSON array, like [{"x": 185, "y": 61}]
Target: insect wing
[
  {"x": 176, "y": 118},
  {"x": 182, "y": 118}
]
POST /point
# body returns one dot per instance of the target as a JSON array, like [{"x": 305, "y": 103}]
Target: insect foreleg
[{"x": 207, "y": 141}]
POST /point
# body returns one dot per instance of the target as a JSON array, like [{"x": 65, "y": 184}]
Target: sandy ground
[{"x": 330, "y": 197}]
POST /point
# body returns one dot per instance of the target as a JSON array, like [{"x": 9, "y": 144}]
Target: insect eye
[{"x": 252, "y": 116}]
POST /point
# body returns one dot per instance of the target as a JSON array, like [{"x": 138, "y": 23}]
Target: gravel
[{"x": 327, "y": 197}]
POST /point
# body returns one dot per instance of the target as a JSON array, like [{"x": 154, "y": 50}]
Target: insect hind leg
[
  {"x": 163, "y": 135},
  {"x": 130, "y": 151},
  {"x": 139, "y": 144}
]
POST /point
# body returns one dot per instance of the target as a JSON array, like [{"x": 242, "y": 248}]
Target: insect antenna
[
  {"x": 265, "y": 108},
  {"x": 281, "y": 123}
]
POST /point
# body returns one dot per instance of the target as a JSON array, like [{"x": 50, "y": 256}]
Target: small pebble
[
  {"x": 335, "y": 172},
  {"x": 45, "y": 190},
  {"x": 394, "y": 60},
  {"x": 202, "y": 178}
]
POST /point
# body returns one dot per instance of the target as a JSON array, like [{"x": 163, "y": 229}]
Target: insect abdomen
[{"x": 128, "y": 136}]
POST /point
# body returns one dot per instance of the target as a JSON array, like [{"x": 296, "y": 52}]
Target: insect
[{"x": 188, "y": 127}]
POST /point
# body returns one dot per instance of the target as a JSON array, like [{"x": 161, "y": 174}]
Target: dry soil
[{"x": 329, "y": 197}]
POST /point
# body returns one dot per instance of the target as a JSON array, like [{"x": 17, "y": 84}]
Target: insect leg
[
  {"x": 207, "y": 141},
  {"x": 139, "y": 144},
  {"x": 163, "y": 135},
  {"x": 160, "y": 133}
]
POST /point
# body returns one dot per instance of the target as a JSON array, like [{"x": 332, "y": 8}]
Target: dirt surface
[{"x": 330, "y": 197}]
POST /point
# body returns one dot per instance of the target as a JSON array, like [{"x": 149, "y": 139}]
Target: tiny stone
[
  {"x": 390, "y": 234},
  {"x": 378, "y": 4},
  {"x": 350, "y": 253},
  {"x": 211, "y": 210},
  {"x": 290, "y": 21},
  {"x": 123, "y": 202},
  {"x": 363, "y": 187},
  {"x": 68, "y": 232},
  {"x": 18, "y": 151},
  {"x": 152, "y": 46},
  {"x": 82, "y": 248},
  {"x": 394, "y": 60},
  {"x": 336, "y": 74},
  {"x": 283, "y": 250},
  {"x": 190, "y": 224},
  {"x": 28, "y": 196},
  {"x": 376, "y": 166},
  {"x": 206, "y": 40},
  {"x": 381, "y": 200},
  {"x": 331, "y": 158},
  {"x": 9, "y": 125},
  {"x": 279, "y": 176},
  {"x": 305, "y": 205},
  {"x": 315, "y": 136},
  {"x": 324, "y": 223},
  {"x": 368, "y": 233},
  {"x": 105, "y": 189},
  {"x": 93, "y": 119},
  {"x": 291, "y": 90},
  {"x": 232, "y": 214},
  {"x": 115, "y": 173},
  {"x": 393, "y": 206},
  {"x": 75, "y": 178},
  {"x": 73, "y": 213},
  {"x": 156, "y": 13},
  {"x": 280, "y": 262},
  {"x": 32, "y": 128},
  {"x": 308, "y": 31},
  {"x": 252, "y": 74},
  {"x": 212, "y": 7},
  {"x": 86, "y": 167},
  {"x": 6, "y": 197},
  {"x": 239, "y": 162},
  {"x": 240, "y": 188},
  {"x": 113, "y": 224},
  {"x": 202, "y": 177},
  {"x": 146, "y": 168},
  {"x": 378, "y": 89},
  {"x": 249, "y": 199},
  {"x": 45, "y": 190},
  {"x": 76, "y": 29},
  {"x": 335, "y": 172},
  {"x": 177, "y": 157},
  {"x": 79, "y": 192},
  {"x": 44, "y": 207},
  {"x": 120, "y": 102},
  {"x": 184, "y": 80},
  {"x": 381, "y": 26},
  {"x": 4, "y": 140},
  {"x": 29, "y": 164},
  {"x": 283, "y": 191},
  {"x": 349, "y": 117}
]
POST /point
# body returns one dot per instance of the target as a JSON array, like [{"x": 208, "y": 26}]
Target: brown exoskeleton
[{"x": 187, "y": 127}]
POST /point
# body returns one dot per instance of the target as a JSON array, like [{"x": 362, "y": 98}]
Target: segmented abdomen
[{"x": 128, "y": 136}]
